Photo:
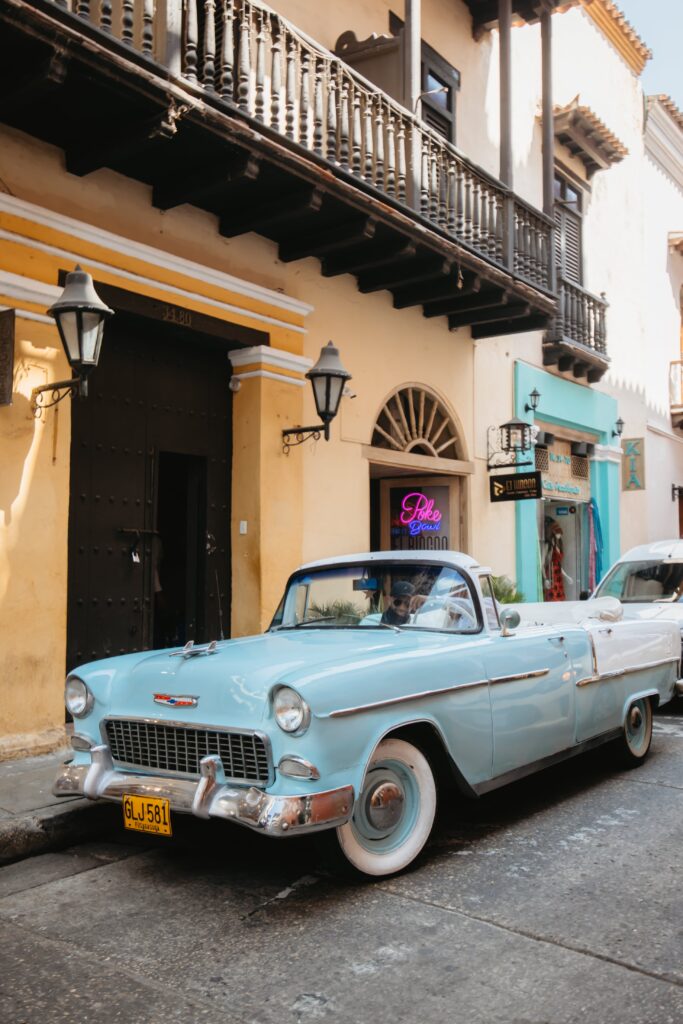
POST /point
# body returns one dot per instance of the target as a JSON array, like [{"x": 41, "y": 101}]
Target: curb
[{"x": 53, "y": 828}]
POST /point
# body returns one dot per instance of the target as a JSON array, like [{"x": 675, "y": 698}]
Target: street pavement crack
[
  {"x": 581, "y": 951},
  {"x": 82, "y": 871}
]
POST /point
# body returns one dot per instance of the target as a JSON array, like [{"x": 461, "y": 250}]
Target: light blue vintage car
[{"x": 381, "y": 675}]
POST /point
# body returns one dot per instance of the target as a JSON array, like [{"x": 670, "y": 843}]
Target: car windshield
[
  {"x": 395, "y": 595},
  {"x": 644, "y": 581}
]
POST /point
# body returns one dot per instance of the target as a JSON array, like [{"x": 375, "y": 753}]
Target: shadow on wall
[{"x": 18, "y": 431}]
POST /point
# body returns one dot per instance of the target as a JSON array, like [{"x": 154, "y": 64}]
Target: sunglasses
[{"x": 401, "y": 601}]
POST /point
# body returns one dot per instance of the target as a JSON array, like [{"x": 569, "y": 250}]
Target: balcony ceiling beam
[
  {"x": 111, "y": 149},
  {"x": 274, "y": 213},
  {"x": 30, "y": 87},
  {"x": 488, "y": 316},
  {"x": 519, "y": 325},
  {"x": 490, "y": 299},
  {"x": 429, "y": 268},
  {"x": 455, "y": 286},
  {"x": 329, "y": 239},
  {"x": 356, "y": 261},
  {"x": 202, "y": 186}
]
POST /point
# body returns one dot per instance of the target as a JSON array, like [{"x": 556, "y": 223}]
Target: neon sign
[{"x": 418, "y": 513}]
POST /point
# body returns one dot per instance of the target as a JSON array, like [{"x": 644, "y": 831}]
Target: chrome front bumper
[{"x": 208, "y": 798}]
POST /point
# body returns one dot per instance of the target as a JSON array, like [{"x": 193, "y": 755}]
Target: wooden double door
[{"x": 149, "y": 518}]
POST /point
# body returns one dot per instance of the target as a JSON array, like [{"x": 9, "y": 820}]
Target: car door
[{"x": 532, "y": 697}]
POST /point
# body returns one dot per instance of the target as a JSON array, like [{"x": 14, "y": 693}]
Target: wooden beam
[
  {"x": 493, "y": 298},
  {"x": 207, "y": 184},
  {"x": 505, "y": 64},
  {"x": 517, "y": 326},
  {"x": 328, "y": 239},
  {"x": 355, "y": 262},
  {"x": 486, "y": 316},
  {"x": 580, "y": 369},
  {"x": 428, "y": 269},
  {"x": 31, "y": 87},
  {"x": 417, "y": 294},
  {"x": 280, "y": 210},
  {"x": 108, "y": 149}
]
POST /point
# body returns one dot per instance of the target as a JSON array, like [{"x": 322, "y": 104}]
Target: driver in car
[{"x": 398, "y": 611}]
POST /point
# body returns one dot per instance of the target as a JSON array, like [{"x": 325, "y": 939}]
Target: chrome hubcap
[
  {"x": 384, "y": 806},
  {"x": 636, "y": 718}
]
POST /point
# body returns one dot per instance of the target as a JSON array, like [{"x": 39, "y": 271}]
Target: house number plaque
[{"x": 6, "y": 355}]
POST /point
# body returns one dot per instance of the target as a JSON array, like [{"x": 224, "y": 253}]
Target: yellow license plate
[{"x": 147, "y": 814}]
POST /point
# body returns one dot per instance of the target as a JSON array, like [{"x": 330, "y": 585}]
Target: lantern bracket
[
  {"x": 499, "y": 458},
  {"x": 48, "y": 395},
  {"x": 301, "y": 434}
]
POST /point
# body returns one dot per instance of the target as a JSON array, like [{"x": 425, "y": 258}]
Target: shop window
[{"x": 568, "y": 213}]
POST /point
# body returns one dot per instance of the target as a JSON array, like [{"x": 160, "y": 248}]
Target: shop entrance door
[
  {"x": 420, "y": 513},
  {"x": 149, "y": 517},
  {"x": 564, "y": 550}
]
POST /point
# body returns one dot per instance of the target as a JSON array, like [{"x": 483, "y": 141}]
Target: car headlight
[
  {"x": 291, "y": 711},
  {"x": 77, "y": 697}
]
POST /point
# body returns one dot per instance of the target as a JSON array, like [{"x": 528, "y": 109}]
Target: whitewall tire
[{"x": 394, "y": 813}]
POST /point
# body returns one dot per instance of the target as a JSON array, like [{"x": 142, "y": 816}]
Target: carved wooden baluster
[
  {"x": 127, "y": 21},
  {"x": 105, "y": 15},
  {"x": 491, "y": 220},
  {"x": 475, "y": 211},
  {"x": 442, "y": 168},
  {"x": 367, "y": 141},
  {"x": 318, "y": 135},
  {"x": 484, "y": 219},
  {"x": 82, "y": 9},
  {"x": 344, "y": 125},
  {"x": 209, "y": 67},
  {"x": 276, "y": 78},
  {"x": 500, "y": 227},
  {"x": 290, "y": 88},
  {"x": 424, "y": 177},
  {"x": 260, "y": 100},
  {"x": 391, "y": 154},
  {"x": 356, "y": 137},
  {"x": 467, "y": 227},
  {"x": 527, "y": 244},
  {"x": 451, "y": 198},
  {"x": 459, "y": 200},
  {"x": 191, "y": 30},
  {"x": 148, "y": 27},
  {"x": 543, "y": 257},
  {"x": 332, "y": 118},
  {"x": 401, "y": 161},
  {"x": 227, "y": 50},
  {"x": 434, "y": 183},
  {"x": 244, "y": 60},
  {"x": 538, "y": 266},
  {"x": 304, "y": 99},
  {"x": 518, "y": 261},
  {"x": 379, "y": 144}
]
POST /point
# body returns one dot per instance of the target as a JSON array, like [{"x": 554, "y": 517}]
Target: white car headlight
[
  {"x": 77, "y": 697},
  {"x": 292, "y": 713}
]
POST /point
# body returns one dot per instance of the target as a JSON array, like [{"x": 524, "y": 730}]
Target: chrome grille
[{"x": 168, "y": 747}]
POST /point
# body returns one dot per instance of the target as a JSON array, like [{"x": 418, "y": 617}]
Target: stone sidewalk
[{"x": 34, "y": 821}]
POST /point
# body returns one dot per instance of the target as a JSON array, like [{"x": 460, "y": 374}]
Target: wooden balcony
[
  {"x": 676, "y": 393},
  {"x": 576, "y": 338},
  {"x": 226, "y": 105}
]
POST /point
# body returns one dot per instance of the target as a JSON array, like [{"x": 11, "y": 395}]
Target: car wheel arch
[{"x": 426, "y": 735}]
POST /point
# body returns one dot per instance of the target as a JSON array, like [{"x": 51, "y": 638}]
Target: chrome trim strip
[
  {"x": 625, "y": 671},
  {"x": 536, "y": 674},
  {"x": 208, "y": 798},
  {"x": 342, "y": 712},
  {"x": 174, "y": 724}
]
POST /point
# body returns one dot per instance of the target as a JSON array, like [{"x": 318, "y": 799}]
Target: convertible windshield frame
[
  {"x": 375, "y": 564},
  {"x": 630, "y": 568}
]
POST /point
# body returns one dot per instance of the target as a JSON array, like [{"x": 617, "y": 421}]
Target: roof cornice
[
  {"x": 619, "y": 32},
  {"x": 663, "y": 138}
]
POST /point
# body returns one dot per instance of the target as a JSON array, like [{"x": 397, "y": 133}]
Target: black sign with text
[{"x": 516, "y": 487}]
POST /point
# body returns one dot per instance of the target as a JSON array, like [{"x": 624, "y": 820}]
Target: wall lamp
[
  {"x": 80, "y": 314},
  {"x": 328, "y": 379},
  {"x": 508, "y": 441},
  {"x": 618, "y": 428},
  {"x": 534, "y": 399}
]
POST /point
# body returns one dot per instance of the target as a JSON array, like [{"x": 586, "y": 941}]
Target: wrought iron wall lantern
[
  {"x": 328, "y": 379},
  {"x": 618, "y": 428},
  {"x": 508, "y": 441},
  {"x": 80, "y": 314}
]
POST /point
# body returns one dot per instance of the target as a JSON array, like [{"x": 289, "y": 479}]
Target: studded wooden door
[{"x": 156, "y": 429}]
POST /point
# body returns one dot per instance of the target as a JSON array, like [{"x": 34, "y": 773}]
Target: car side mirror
[
  {"x": 584, "y": 595},
  {"x": 509, "y": 620}
]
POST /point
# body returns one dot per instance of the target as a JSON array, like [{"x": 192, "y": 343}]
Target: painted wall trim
[
  {"x": 268, "y": 356},
  {"x": 653, "y": 429},
  {"x": 296, "y": 381},
  {"x": 607, "y": 453},
  {"x": 27, "y": 289},
  {"x": 27, "y": 314},
  {"x": 73, "y": 258},
  {"x": 139, "y": 250}
]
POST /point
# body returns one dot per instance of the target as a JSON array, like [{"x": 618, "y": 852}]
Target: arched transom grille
[{"x": 415, "y": 421}]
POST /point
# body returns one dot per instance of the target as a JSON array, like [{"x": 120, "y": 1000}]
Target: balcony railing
[
  {"x": 577, "y": 337},
  {"x": 248, "y": 56}
]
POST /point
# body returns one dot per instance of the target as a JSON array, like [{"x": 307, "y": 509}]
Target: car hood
[{"x": 233, "y": 684}]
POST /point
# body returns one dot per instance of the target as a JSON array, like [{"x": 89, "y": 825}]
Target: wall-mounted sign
[
  {"x": 515, "y": 487},
  {"x": 6, "y": 355},
  {"x": 567, "y": 476},
  {"x": 633, "y": 464},
  {"x": 420, "y": 518}
]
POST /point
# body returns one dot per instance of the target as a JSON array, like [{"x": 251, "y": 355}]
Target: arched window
[{"x": 414, "y": 420}]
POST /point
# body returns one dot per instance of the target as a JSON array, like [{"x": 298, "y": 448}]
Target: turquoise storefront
[{"x": 578, "y": 413}]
